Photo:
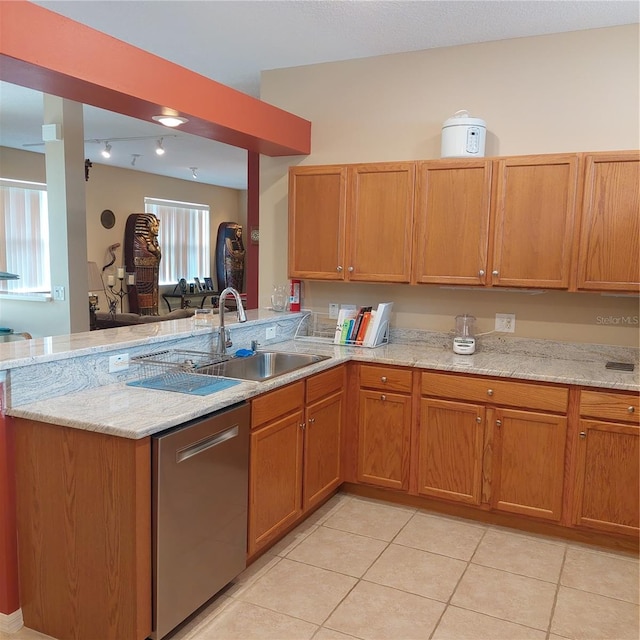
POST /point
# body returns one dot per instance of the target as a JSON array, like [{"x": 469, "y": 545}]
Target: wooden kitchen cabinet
[
  {"x": 295, "y": 453},
  {"x": 452, "y": 222},
  {"x": 609, "y": 253},
  {"x": 608, "y": 454},
  {"x": 84, "y": 532},
  {"x": 511, "y": 445},
  {"x": 533, "y": 220},
  {"x": 384, "y": 426},
  {"x": 351, "y": 222},
  {"x": 317, "y": 213},
  {"x": 451, "y": 436}
]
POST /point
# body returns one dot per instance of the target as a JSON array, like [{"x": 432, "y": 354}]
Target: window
[
  {"x": 24, "y": 236},
  {"x": 183, "y": 239}
]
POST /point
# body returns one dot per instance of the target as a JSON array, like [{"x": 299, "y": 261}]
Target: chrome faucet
[{"x": 223, "y": 341}]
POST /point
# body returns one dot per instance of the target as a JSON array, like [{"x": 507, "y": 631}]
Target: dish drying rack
[
  {"x": 178, "y": 369},
  {"x": 320, "y": 328}
]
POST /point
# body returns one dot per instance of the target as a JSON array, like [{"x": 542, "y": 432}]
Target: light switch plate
[
  {"x": 270, "y": 333},
  {"x": 334, "y": 307},
  {"x": 118, "y": 363}
]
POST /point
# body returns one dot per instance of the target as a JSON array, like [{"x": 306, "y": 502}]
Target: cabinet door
[
  {"x": 317, "y": 206},
  {"x": 384, "y": 428},
  {"x": 534, "y": 219},
  {"x": 452, "y": 222},
  {"x": 380, "y": 222},
  {"x": 275, "y": 479},
  {"x": 528, "y": 463},
  {"x": 450, "y": 450},
  {"x": 610, "y": 227},
  {"x": 607, "y": 494},
  {"x": 323, "y": 434}
]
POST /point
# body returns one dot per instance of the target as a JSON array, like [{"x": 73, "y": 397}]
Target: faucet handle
[
  {"x": 227, "y": 338},
  {"x": 254, "y": 345}
]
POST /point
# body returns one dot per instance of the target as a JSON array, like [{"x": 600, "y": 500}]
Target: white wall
[
  {"x": 576, "y": 91},
  {"x": 123, "y": 191}
]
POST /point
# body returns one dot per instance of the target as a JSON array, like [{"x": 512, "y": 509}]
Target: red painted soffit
[{"x": 45, "y": 51}]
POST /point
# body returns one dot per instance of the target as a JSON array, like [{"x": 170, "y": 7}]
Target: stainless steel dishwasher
[{"x": 199, "y": 512}]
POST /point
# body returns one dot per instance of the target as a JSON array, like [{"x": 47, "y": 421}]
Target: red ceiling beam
[{"x": 45, "y": 51}]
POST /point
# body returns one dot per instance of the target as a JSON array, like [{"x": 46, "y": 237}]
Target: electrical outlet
[
  {"x": 58, "y": 292},
  {"x": 334, "y": 307},
  {"x": 118, "y": 363},
  {"x": 270, "y": 333},
  {"x": 506, "y": 322}
]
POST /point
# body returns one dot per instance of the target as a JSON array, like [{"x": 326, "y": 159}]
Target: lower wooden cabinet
[
  {"x": 384, "y": 427},
  {"x": 450, "y": 445},
  {"x": 528, "y": 463},
  {"x": 607, "y": 494},
  {"x": 295, "y": 453}
]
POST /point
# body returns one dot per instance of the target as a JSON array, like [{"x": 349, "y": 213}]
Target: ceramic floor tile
[
  {"x": 331, "y": 634},
  {"x": 190, "y": 629},
  {"x": 460, "y": 624},
  {"x": 245, "y": 621},
  {"x": 588, "y": 616},
  {"x": 338, "y": 551},
  {"x": 300, "y": 590},
  {"x": 331, "y": 506},
  {"x": 445, "y": 536},
  {"x": 420, "y": 572},
  {"x": 24, "y": 634},
  {"x": 521, "y": 554},
  {"x": 293, "y": 539},
  {"x": 373, "y": 519},
  {"x": 374, "y": 612},
  {"x": 601, "y": 573},
  {"x": 251, "y": 574},
  {"x": 514, "y": 598}
]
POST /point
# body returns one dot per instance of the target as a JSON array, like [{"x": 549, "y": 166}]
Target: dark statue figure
[
  {"x": 230, "y": 254},
  {"x": 142, "y": 257}
]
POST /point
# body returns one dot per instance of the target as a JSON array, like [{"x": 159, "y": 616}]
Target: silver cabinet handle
[
  {"x": 489, "y": 392},
  {"x": 478, "y": 419},
  {"x": 481, "y": 272},
  {"x": 303, "y": 425},
  {"x": 631, "y": 409},
  {"x": 383, "y": 379},
  {"x": 494, "y": 273},
  {"x": 498, "y": 423},
  {"x": 312, "y": 420},
  {"x": 350, "y": 269},
  {"x": 583, "y": 434},
  {"x": 338, "y": 268},
  {"x": 383, "y": 397}
]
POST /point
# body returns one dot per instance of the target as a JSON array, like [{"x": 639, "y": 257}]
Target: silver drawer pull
[
  {"x": 494, "y": 273},
  {"x": 631, "y": 409},
  {"x": 481, "y": 272},
  {"x": 489, "y": 392},
  {"x": 383, "y": 397},
  {"x": 478, "y": 419},
  {"x": 383, "y": 379},
  {"x": 498, "y": 423},
  {"x": 213, "y": 441},
  {"x": 583, "y": 434},
  {"x": 338, "y": 268}
]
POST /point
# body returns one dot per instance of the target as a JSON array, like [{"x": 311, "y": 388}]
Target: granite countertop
[{"x": 133, "y": 412}]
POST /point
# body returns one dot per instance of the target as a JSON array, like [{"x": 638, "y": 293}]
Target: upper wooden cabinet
[
  {"x": 534, "y": 210},
  {"x": 317, "y": 208},
  {"x": 352, "y": 223},
  {"x": 609, "y": 230},
  {"x": 452, "y": 222}
]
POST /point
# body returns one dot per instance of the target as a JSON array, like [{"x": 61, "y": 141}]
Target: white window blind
[
  {"x": 24, "y": 236},
  {"x": 183, "y": 239}
]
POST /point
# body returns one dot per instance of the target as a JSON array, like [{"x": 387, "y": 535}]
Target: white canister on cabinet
[{"x": 463, "y": 136}]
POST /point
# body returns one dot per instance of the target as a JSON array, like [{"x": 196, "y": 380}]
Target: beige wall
[
  {"x": 123, "y": 191},
  {"x": 569, "y": 92}
]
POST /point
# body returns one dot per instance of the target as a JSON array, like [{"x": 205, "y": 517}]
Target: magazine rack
[{"x": 319, "y": 328}]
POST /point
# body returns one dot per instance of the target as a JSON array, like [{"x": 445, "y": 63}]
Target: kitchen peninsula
[{"x": 82, "y": 440}]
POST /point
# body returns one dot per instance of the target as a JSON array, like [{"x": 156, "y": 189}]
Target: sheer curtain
[
  {"x": 24, "y": 236},
  {"x": 183, "y": 239}
]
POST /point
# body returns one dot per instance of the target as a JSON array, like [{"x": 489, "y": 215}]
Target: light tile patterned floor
[{"x": 365, "y": 569}]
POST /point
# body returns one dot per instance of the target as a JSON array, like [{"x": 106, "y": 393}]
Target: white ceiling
[{"x": 232, "y": 41}]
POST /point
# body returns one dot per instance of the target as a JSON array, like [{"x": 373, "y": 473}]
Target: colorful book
[
  {"x": 363, "y": 326},
  {"x": 345, "y": 313}
]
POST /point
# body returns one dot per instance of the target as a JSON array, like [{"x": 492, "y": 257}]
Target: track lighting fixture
[
  {"x": 160, "y": 148},
  {"x": 170, "y": 121},
  {"x": 106, "y": 152},
  {"x": 194, "y": 172},
  {"x": 134, "y": 157}
]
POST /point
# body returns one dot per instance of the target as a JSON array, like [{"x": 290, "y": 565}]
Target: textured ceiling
[{"x": 232, "y": 41}]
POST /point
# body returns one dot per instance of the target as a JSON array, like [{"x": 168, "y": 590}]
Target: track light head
[
  {"x": 134, "y": 157},
  {"x": 106, "y": 152},
  {"x": 194, "y": 172},
  {"x": 160, "y": 148}
]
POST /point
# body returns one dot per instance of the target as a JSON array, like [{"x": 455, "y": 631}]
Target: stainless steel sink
[{"x": 262, "y": 365}]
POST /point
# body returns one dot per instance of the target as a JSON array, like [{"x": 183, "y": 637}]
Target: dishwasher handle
[{"x": 207, "y": 443}]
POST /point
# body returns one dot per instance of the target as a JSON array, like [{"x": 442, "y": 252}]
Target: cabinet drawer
[
  {"x": 276, "y": 403},
  {"x": 499, "y": 392},
  {"x": 385, "y": 378},
  {"x": 324, "y": 384},
  {"x": 610, "y": 406}
]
